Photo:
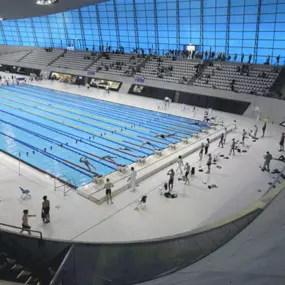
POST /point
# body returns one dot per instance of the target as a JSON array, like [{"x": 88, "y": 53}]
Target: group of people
[{"x": 45, "y": 215}]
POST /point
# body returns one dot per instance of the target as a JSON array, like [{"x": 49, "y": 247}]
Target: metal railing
[{"x": 20, "y": 228}]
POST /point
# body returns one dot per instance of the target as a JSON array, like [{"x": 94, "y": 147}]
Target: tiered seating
[
  {"x": 74, "y": 60},
  {"x": 181, "y": 68},
  {"x": 124, "y": 67},
  {"x": 42, "y": 57},
  {"x": 221, "y": 76},
  {"x": 13, "y": 56},
  {"x": 10, "y": 270}
]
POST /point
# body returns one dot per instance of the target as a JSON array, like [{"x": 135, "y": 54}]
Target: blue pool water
[{"x": 52, "y": 130}]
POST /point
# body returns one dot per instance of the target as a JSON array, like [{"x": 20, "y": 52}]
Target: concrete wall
[{"x": 129, "y": 263}]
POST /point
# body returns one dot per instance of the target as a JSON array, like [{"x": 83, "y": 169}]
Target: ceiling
[{"x": 15, "y": 9}]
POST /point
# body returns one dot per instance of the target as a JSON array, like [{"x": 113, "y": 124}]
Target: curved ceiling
[{"x": 15, "y": 9}]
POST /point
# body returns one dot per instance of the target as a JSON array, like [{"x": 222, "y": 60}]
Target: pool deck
[{"x": 75, "y": 218}]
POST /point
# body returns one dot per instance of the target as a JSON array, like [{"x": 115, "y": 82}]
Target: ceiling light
[{"x": 46, "y": 2}]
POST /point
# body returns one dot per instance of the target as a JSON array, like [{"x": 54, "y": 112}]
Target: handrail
[
  {"x": 20, "y": 228},
  {"x": 59, "y": 270}
]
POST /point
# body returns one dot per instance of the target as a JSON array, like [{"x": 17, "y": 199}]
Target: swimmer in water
[
  {"x": 87, "y": 163},
  {"x": 163, "y": 136},
  {"x": 109, "y": 158},
  {"x": 150, "y": 144},
  {"x": 125, "y": 148}
]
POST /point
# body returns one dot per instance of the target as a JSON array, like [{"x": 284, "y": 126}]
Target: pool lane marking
[
  {"x": 75, "y": 127},
  {"x": 77, "y": 112},
  {"x": 54, "y": 157},
  {"x": 62, "y": 122},
  {"x": 146, "y": 130},
  {"x": 64, "y": 145},
  {"x": 67, "y": 116},
  {"x": 76, "y": 137}
]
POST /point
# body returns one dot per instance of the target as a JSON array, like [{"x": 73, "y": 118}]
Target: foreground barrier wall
[{"x": 128, "y": 263}]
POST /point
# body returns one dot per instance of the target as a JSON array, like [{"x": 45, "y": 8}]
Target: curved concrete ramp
[{"x": 253, "y": 257}]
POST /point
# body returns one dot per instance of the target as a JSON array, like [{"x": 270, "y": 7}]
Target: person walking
[
  {"x": 171, "y": 174},
  {"x": 180, "y": 164},
  {"x": 201, "y": 152},
  {"x": 255, "y": 131},
  {"x": 207, "y": 144},
  {"x": 132, "y": 178},
  {"x": 187, "y": 171},
  {"x": 108, "y": 186},
  {"x": 46, "y": 210},
  {"x": 267, "y": 159},
  {"x": 25, "y": 222},
  {"x": 281, "y": 143},
  {"x": 225, "y": 135},
  {"x": 209, "y": 163},
  {"x": 235, "y": 124},
  {"x": 243, "y": 136},
  {"x": 264, "y": 129},
  {"x": 221, "y": 142},
  {"x": 233, "y": 146}
]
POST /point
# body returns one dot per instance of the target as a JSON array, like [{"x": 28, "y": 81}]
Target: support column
[
  {"x": 137, "y": 42},
  {"x": 82, "y": 29},
  {"x": 156, "y": 39},
  {"x": 177, "y": 25},
  {"x": 99, "y": 25},
  {"x": 228, "y": 28},
  {"x": 255, "y": 52},
  {"x": 49, "y": 31},
  {"x": 202, "y": 24},
  {"x": 3, "y": 33},
  {"x": 117, "y": 24},
  {"x": 34, "y": 32},
  {"x": 18, "y": 33}
]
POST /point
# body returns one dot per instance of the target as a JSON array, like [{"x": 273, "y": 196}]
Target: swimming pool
[{"x": 53, "y": 130}]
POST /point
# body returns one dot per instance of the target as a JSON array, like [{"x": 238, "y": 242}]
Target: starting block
[
  {"x": 213, "y": 127},
  {"x": 123, "y": 169},
  {"x": 205, "y": 131},
  {"x": 158, "y": 153},
  {"x": 186, "y": 141},
  {"x": 195, "y": 135},
  {"x": 98, "y": 180},
  {"x": 172, "y": 146},
  {"x": 141, "y": 160}
]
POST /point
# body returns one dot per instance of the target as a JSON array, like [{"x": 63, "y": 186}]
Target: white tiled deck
[{"x": 75, "y": 218}]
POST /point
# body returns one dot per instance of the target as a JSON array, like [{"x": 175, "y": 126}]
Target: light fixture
[{"x": 46, "y": 2}]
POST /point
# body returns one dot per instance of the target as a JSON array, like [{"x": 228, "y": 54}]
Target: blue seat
[{"x": 25, "y": 193}]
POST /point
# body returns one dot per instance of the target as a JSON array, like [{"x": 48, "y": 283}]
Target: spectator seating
[
  {"x": 120, "y": 64},
  {"x": 74, "y": 60},
  {"x": 14, "y": 56},
  {"x": 42, "y": 57},
  {"x": 181, "y": 68},
  {"x": 221, "y": 76}
]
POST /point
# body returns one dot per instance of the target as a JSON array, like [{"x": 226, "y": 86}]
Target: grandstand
[{"x": 107, "y": 107}]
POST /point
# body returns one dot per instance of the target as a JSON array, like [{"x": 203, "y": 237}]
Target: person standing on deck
[
  {"x": 171, "y": 174},
  {"x": 267, "y": 159},
  {"x": 201, "y": 152},
  {"x": 132, "y": 179},
  {"x": 207, "y": 146},
  {"x": 221, "y": 142},
  {"x": 180, "y": 164},
  {"x": 108, "y": 188},
  {"x": 264, "y": 129},
  {"x": 187, "y": 171},
  {"x": 209, "y": 163},
  {"x": 243, "y": 136},
  {"x": 255, "y": 131}
]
